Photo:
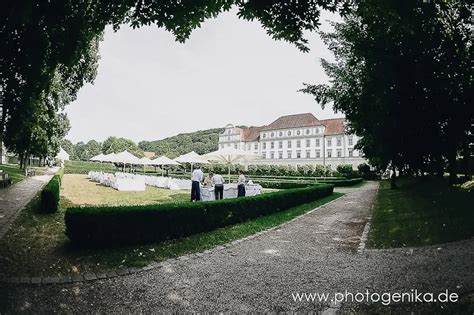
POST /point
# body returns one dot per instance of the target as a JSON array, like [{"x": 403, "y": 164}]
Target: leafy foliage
[
  {"x": 49, "y": 201},
  {"x": 203, "y": 141},
  {"x": 402, "y": 77}
]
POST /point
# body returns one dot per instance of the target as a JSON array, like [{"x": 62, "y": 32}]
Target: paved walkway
[
  {"x": 315, "y": 253},
  {"x": 17, "y": 196}
]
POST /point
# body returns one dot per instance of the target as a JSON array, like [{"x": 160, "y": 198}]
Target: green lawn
[
  {"x": 36, "y": 244},
  {"x": 13, "y": 171},
  {"x": 421, "y": 213}
]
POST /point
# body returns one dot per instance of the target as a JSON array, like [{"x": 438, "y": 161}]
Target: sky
[{"x": 150, "y": 87}]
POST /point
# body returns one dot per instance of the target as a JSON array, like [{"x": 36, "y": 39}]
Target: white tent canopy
[
  {"x": 62, "y": 155},
  {"x": 230, "y": 156},
  {"x": 98, "y": 158},
  {"x": 145, "y": 161}
]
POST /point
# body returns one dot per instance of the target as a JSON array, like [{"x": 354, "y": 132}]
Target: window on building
[
  {"x": 329, "y": 153},
  {"x": 264, "y": 156},
  {"x": 280, "y": 155},
  {"x": 255, "y": 146},
  {"x": 308, "y": 154},
  {"x": 308, "y": 143},
  {"x": 339, "y": 141},
  {"x": 318, "y": 142},
  {"x": 272, "y": 145},
  {"x": 280, "y": 144},
  {"x": 339, "y": 153},
  {"x": 298, "y": 132},
  {"x": 272, "y": 155},
  {"x": 298, "y": 143},
  {"x": 316, "y": 130},
  {"x": 289, "y": 133},
  {"x": 350, "y": 140},
  {"x": 280, "y": 134},
  {"x": 264, "y": 135},
  {"x": 289, "y": 154},
  {"x": 264, "y": 145},
  {"x": 298, "y": 154},
  {"x": 329, "y": 142},
  {"x": 351, "y": 152},
  {"x": 289, "y": 143},
  {"x": 249, "y": 147},
  {"x": 307, "y": 131},
  {"x": 272, "y": 134},
  {"x": 318, "y": 153},
  {"x": 235, "y": 146}
]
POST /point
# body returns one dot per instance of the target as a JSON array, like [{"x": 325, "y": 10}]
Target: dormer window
[
  {"x": 298, "y": 132},
  {"x": 272, "y": 134},
  {"x": 280, "y": 134},
  {"x": 289, "y": 133},
  {"x": 307, "y": 131}
]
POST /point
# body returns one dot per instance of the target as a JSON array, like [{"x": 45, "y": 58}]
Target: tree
[{"x": 403, "y": 80}]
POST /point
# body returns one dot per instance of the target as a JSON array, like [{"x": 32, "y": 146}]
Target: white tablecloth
[{"x": 230, "y": 191}]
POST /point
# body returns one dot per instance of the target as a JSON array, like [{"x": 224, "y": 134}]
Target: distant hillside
[{"x": 203, "y": 141}]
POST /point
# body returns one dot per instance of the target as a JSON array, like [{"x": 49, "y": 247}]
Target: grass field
[
  {"x": 13, "y": 171},
  {"x": 421, "y": 213},
  {"x": 77, "y": 189},
  {"x": 36, "y": 243}
]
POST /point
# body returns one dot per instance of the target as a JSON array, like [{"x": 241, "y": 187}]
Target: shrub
[
  {"x": 342, "y": 182},
  {"x": 117, "y": 225},
  {"x": 285, "y": 184},
  {"x": 49, "y": 197}
]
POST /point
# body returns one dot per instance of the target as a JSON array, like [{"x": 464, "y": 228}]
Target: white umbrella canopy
[
  {"x": 145, "y": 161},
  {"x": 230, "y": 156},
  {"x": 62, "y": 155},
  {"x": 108, "y": 157},
  {"x": 98, "y": 158},
  {"x": 191, "y": 157},
  {"x": 125, "y": 157},
  {"x": 164, "y": 160}
]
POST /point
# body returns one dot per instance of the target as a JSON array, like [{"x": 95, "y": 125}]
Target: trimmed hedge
[
  {"x": 345, "y": 182},
  {"x": 285, "y": 184},
  {"x": 118, "y": 225},
  {"x": 49, "y": 197}
]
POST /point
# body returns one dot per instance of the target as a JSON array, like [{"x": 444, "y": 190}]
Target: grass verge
[
  {"x": 13, "y": 171},
  {"x": 36, "y": 244},
  {"x": 420, "y": 213}
]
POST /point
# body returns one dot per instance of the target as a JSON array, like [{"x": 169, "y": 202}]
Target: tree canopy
[
  {"x": 43, "y": 41},
  {"x": 403, "y": 79}
]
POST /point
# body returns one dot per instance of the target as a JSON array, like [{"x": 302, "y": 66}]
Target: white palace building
[{"x": 296, "y": 140}]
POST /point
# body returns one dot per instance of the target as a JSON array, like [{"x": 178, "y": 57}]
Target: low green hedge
[
  {"x": 344, "y": 182},
  {"x": 285, "y": 184},
  {"x": 118, "y": 225},
  {"x": 49, "y": 197}
]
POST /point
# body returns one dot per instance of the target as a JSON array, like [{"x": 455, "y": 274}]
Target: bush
[
  {"x": 285, "y": 184},
  {"x": 118, "y": 225},
  {"x": 49, "y": 197}
]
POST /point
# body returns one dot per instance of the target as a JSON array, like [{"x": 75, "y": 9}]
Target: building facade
[{"x": 296, "y": 140}]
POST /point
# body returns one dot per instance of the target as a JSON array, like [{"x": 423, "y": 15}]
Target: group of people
[{"x": 213, "y": 180}]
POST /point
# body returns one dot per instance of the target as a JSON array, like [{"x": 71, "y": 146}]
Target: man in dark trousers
[
  {"x": 196, "y": 179},
  {"x": 218, "y": 182}
]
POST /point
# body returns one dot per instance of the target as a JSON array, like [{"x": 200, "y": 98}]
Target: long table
[{"x": 230, "y": 191}]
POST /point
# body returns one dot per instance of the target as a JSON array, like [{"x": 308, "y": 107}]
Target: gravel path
[{"x": 316, "y": 253}]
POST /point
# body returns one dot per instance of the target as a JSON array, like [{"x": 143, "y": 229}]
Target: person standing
[
  {"x": 196, "y": 179},
  {"x": 241, "y": 185},
  {"x": 218, "y": 182},
  {"x": 208, "y": 180}
]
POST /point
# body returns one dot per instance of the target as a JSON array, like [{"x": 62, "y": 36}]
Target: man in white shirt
[
  {"x": 218, "y": 182},
  {"x": 196, "y": 179},
  {"x": 241, "y": 185}
]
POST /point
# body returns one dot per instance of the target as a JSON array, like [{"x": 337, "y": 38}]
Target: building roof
[
  {"x": 294, "y": 121},
  {"x": 251, "y": 133},
  {"x": 334, "y": 126},
  {"x": 149, "y": 154}
]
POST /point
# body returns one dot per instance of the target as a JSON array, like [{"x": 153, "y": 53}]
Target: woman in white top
[{"x": 241, "y": 185}]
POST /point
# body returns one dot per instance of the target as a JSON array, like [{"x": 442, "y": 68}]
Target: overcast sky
[{"x": 150, "y": 87}]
